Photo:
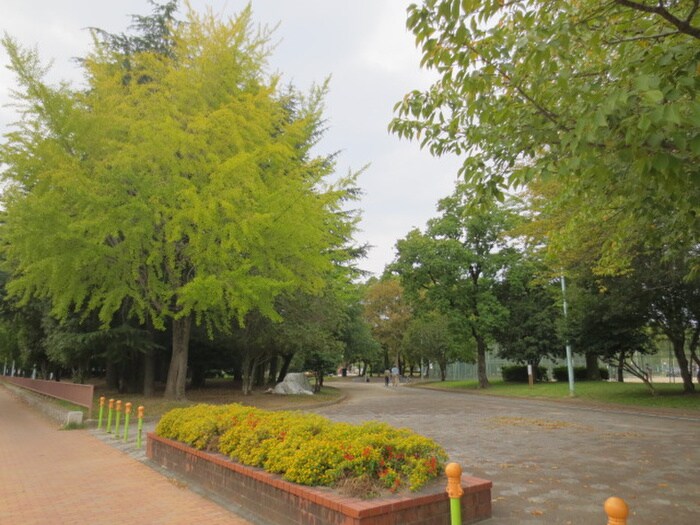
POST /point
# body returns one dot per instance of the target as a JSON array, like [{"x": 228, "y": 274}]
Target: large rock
[{"x": 295, "y": 383}]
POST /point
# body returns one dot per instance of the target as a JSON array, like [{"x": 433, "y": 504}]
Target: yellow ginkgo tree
[{"x": 174, "y": 186}]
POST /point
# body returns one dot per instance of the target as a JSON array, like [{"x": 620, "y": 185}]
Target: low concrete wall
[
  {"x": 80, "y": 395},
  {"x": 277, "y": 501}
]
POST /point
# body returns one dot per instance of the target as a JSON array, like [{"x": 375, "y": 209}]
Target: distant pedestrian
[
  {"x": 395, "y": 376},
  {"x": 387, "y": 373}
]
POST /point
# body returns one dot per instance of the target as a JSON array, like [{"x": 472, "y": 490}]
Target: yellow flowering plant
[{"x": 306, "y": 448}]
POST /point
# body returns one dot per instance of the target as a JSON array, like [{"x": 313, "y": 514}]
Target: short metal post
[
  {"x": 127, "y": 413},
  {"x": 454, "y": 491},
  {"x": 102, "y": 408},
  {"x": 118, "y": 408},
  {"x": 617, "y": 511},
  {"x": 109, "y": 416},
  {"x": 139, "y": 414}
]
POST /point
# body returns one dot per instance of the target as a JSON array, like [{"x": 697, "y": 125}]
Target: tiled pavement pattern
[
  {"x": 551, "y": 463},
  {"x": 54, "y": 477}
]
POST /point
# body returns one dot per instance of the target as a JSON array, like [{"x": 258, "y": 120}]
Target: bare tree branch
[{"x": 683, "y": 26}]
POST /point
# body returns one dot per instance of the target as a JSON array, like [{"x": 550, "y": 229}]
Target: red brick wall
[
  {"x": 80, "y": 395},
  {"x": 280, "y": 502}
]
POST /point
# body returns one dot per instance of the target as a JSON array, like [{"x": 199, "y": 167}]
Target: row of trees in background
[
  {"x": 170, "y": 219},
  {"x": 479, "y": 275},
  {"x": 590, "y": 112}
]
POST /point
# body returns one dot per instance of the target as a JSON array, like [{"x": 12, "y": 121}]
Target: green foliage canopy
[
  {"x": 454, "y": 265},
  {"x": 181, "y": 194},
  {"x": 602, "y": 95},
  {"x": 177, "y": 185}
]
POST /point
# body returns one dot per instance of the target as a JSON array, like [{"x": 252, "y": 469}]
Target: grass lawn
[{"x": 636, "y": 394}]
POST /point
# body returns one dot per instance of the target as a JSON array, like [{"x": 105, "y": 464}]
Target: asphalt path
[{"x": 550, "y": 462}]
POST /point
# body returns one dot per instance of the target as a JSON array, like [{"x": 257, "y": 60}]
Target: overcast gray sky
[{"x": 361, "y": 44}]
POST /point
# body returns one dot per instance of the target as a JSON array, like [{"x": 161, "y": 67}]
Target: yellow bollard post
[
  {"x": 454, "y": 491},
  {"x": 139, "y": 413},
  {"x": 617, "y": 511},
  {"x": 127, "y": 413},
  {"x": 109, "y": 416},
  {"x": 118, "y": 408},
  {"x": 102, "y": 408}
]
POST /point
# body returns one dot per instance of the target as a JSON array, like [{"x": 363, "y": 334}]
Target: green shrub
[
  {"x": 201, "y": 425},
  {"x": 308, "y": 449},
  {"x": 561, "y": 373},
  {"x": 518, "y": 374}
]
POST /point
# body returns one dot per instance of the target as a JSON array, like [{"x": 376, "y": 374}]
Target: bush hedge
[
  {"x": 561, "y": 373},
  {"x": 308, "y": 449},
  {"x": 518, "y": 374}
]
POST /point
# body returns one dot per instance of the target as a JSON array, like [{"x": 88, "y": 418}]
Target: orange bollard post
[
  {"x": 454, "y": 491},
  {"x": 617, "y": 511},
  {"x": 118, "y": 408},
  {"x": 102, "y": 408},
  {"x": 139, "y": 414},
  {"x": 109, "y": 416},
  {"x": 127, "y": 413}
]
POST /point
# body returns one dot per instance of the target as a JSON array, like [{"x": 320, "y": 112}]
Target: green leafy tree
[
  {"x": 609, "y": 320},
  {"x": 454, "y": 266},
  {"x": 359, "y": 344},
  {"x": 674, "y": 303},
  {"x": 388, "y": 313},
  {"x": 432, "y": 337},
  {"x": 658, "y": 290},
  {"x": 310, "y": 330},
  {"x": 185, "y": 192},
  {"x": 532, "y": 331},
  {"x": 601, "y": 95}
]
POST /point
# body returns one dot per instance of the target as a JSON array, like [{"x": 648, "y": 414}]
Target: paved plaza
[{"x": 551, "y": 462}]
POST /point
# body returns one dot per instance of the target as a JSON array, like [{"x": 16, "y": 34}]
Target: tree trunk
[
  {"x": 592, "y": 368},
  {"x": 259, "y": 375},
  {"x": 443, "y": 370},
  {"x": 248, "y": 368},
  {"x": 481, "y": 360},
  {"x": 177, "y": 373},
  {"x": 274, "y": 363},
  {"x": 679, "y": 352},
  {"x": 286, "y": 361},
  {"x": 621, "y": 368}
]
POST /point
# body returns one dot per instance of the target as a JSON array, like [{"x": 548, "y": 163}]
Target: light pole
[{"x": 569, "y": 359}]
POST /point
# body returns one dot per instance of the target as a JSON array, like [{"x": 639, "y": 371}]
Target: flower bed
[
  {"x": 282, "y": 467},
  {"x": 275, "y": 501},
  {"x": 309, "y": 449}
]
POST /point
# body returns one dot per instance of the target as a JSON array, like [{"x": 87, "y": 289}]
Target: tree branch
[
  {"x": 549, "y": 115},
  {"x": 642, "y": 37},
  {"x": 682, "y": 25}
]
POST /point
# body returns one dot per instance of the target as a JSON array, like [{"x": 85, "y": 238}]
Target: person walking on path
[
  {"x": 387, "y": 376},
  {"x": 395, "y": 376},
  {"x": 60, "y": 477}
]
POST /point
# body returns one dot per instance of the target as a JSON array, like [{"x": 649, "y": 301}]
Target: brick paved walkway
[{"x": 50, "y": 476}]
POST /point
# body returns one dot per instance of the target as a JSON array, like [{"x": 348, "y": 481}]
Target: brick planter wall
[{"x": 277, "y": 501}]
